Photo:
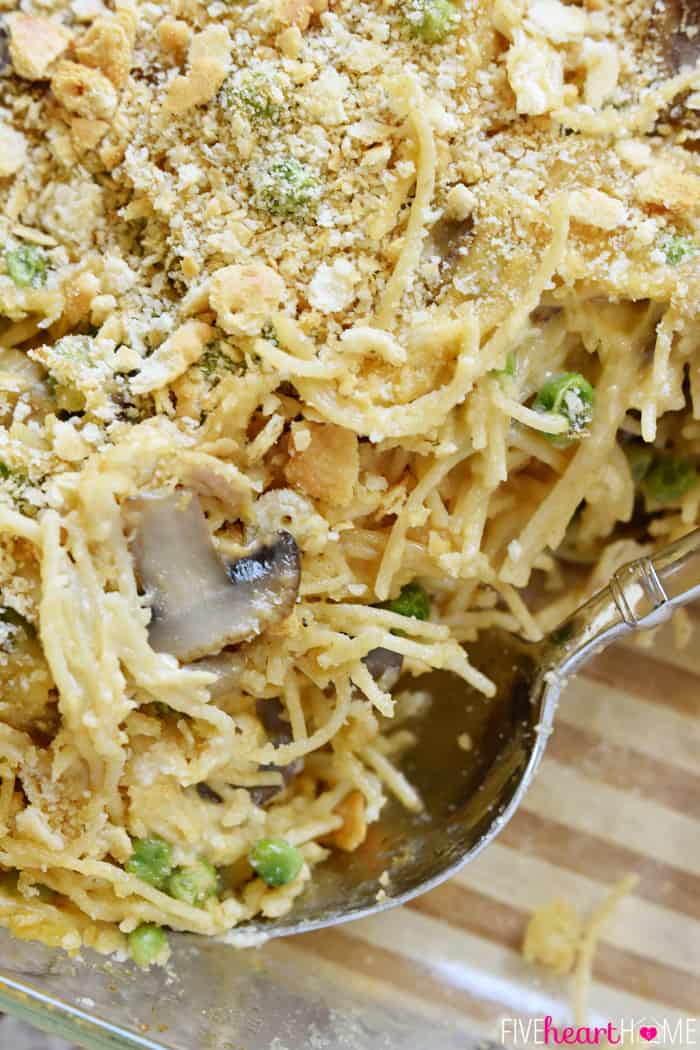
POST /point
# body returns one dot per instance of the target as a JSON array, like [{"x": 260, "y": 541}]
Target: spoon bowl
[{"x": 475, "y": 757}]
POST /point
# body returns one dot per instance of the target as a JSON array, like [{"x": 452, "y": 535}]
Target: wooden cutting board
[{"x": 618, "y": 792}]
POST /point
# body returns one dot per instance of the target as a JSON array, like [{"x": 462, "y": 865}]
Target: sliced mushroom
[
  {"x": 448, "y": 236},
  {"x": 226, "y": 666},
  {"x": 677, "y": 23},
  {"x": 5, "y": 63},
  {"x": 199, "y": 603},
  {"x": 385, "y": 667},
  {"x": 207, "y": 794},
  {"x": 279, "y": 732}
]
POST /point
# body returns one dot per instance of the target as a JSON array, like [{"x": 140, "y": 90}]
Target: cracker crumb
[
  {"x": 84, "y": 91},
  {"x": 13, "y": 150},
  {"x": 35, "y": 44}
]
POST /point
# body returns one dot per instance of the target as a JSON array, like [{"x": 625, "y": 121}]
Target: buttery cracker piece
[
  {"x": 84, "y": 91},
  {"x": 80, "y": 292},
  {"x": 560, "y": 23},
  {"x": 295, "y": 13},
  {"x": 13, "y": 150},
  {"x": 328, "y": 467},
  {"x": 594, "y": 208},
  {"x": 174, "y": 36},
  {"x": 35, "y": 43},
  {"x": 105, "y": 46},
  {"x": 459, "y": 203},
  {"x": 189, "y": 266},
  {"x": 128, "y": 21},
  {"x": 353, "y": 830},
  {"x": 289, "y": 42},
  {"x": 666, "y": 185},
  {"x": 210, "y": 59},
  {"x": 173, "y": 357},
  {"x": 190, "y": 10},
  {"x": 111, "y": 154},
  {"x": 508, "y": 16},
  {"x": 634, "y": 152},
  {"x": 602, "y": 61},
  {"x": 86, "y": 133},
  {"x": 244, "y": 297},
  {"x": 536, "y": 75}
]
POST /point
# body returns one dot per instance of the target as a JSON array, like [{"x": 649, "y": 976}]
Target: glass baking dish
[{"x": 618, "y": 792}]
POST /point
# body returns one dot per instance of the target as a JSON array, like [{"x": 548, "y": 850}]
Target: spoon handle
[
  {"x": 646, "y": 591},
  {"x": 641, "y": 594}
]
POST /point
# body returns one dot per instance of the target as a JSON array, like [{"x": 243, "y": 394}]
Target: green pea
[
  {"x": 275, "y": 861},
  {"x": 571, "y": 396},
  {"x": 287, "y": 188},
  {"x": 669, "y": 478},
  {"x": 194, "y": 884},
  {"x": 151, "y": 861},
  {"x": 412, "y": 601},
  {"x": 678, "y": 249},
  {"x": 146, "y": 944},
  {"x": 26, "y": 266},
  {"x": 430, "y": 20}
]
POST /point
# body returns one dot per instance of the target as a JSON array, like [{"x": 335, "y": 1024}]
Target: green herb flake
[
  {"x": 255, "y": 96},
  {"x": 679, "y": 249},
  {"x": 215, "y": 363},
  {"x": 287, "y": 188},
  {"x": 430, "y": 20},
  {"x": 26, "y": 265}
]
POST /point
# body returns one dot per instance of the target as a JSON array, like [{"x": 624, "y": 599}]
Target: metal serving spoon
[{"x": 470, "y": 796}]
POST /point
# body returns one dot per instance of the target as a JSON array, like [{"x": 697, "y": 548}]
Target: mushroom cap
[{"x": 199, "y": 603}]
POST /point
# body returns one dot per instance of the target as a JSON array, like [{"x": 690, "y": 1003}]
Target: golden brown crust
[
  {"x": 35, "y": 44},
  {"x": 324, "y": 462},
  {"x": 174, "y": 35},
  {"x": 209, "y": 61},
  {"x": 106, "y": 46},
  {"x": 84, "y": 91},
  {"x": 354, "y": 828}
]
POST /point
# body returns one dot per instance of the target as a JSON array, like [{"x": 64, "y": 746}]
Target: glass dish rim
[{"x": 59, "y": 1017}]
